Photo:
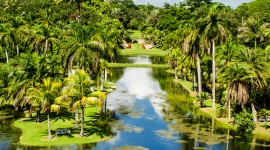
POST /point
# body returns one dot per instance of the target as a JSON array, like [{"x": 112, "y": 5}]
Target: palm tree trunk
[
  {"x": 213, "y": 76},
  {"x": 199, "y": 76},
  {"x": 76, "y": 118},
  {"x": 101, "y": 80},
  {"x": 17, "y": 47},
  {"x": 46, "y": 47},
  {"x": 229, "y": 109},
  {"x": 254, "y": 112},
  {"x": 30, "y": 112},
  {"x": 6, "y": 54},
  {"x": 82, "y": 119},
  {"x": 79, "y": 11},
  {"x": 176, "y": 74},
  {"x": 49, "y": 126},
  {"x": 194, "y": 82},
  {"x": 106, "y": 76},
  {"x": 38, "y": 116}
]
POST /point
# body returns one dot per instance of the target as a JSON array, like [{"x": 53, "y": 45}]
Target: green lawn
[
  {"x": 135, "y": 34},
  {"x": 136, "y": 50},
  {"x": 124, "y": 65},
  {"x": 36, "y": 134}
]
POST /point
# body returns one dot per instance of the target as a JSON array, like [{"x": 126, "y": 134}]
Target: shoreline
[
  {"x": 259, "y": 132},
  {"x": 36, "y": 134}
]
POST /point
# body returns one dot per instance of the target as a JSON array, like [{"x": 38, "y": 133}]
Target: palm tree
[
  {"x": 6, "y": 41},
  {"x": 78, "y": 3},
  {"x": 18, "y": 31},
  {"x": 43, "y": 38},
  {"x": 104, "y": 69},
  {"x": 246, "y": 73},
  {"x": 253, "y": 33},
  {"x": 45, "y": 96},
  {"x": 82, "y": 51},
  {"x": 80, "y": 82},
  {"x": 193, "y": 46},
  {"x": 214, "y": 32}
]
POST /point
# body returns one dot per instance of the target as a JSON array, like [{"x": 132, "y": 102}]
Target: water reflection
[
  {"x": 8, "y": 134},
  {"x": 138, "y": 102},
  {"x": 146, "y": 121}
]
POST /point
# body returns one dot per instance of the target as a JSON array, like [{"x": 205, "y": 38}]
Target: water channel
[{"x": 144, "y": 120}]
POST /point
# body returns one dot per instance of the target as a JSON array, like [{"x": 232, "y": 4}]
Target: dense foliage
[
  {"x": 223, "y": 51},
  {"x": 244, "y": 122},
  {"x": 43, "y": 42}
]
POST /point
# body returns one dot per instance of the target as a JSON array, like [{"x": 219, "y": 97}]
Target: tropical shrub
[{"x": 244, "y": 122}]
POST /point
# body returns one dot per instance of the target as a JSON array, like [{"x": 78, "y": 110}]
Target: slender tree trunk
[
  {"x": 194, "y": 82},
  {"x": 49, "y": 126},
  {"x": 199, "y": 76},
  {"x": 6, "y": 54},
  {"x": 105, "y": 105},
  {"x": 176, "y": 74},
  {"x": 106, "y": 76},
  {"x": 254, "y": 112},
  {"x": 30, "y": 112},
  {"x": 229, "y": 109},
  {"x": 17, "y": 47},
  {"x": 38, "y": 116},
  {"x": 79, "y": 11},
  {"x": 82, "y": 119},
  {"x": 101, "y": 80},
  {"x": 213, "y": 76},
  {"x": 76, "y": 118},
  {"x": 46, "y": 47}
]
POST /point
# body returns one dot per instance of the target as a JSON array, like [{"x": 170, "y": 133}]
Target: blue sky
[{"x": 232, "y": 3}]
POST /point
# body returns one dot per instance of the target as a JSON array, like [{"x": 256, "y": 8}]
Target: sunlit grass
[
  {"x": 135, "y": 34},
  {"x": 137, "y": 50},
  {"x": 36, "y": 134}
]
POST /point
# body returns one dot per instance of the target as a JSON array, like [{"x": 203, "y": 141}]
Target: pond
[{"x": 146, "y": 121}]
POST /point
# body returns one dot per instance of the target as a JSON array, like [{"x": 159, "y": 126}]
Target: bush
[{"x": 244, "y": 122}]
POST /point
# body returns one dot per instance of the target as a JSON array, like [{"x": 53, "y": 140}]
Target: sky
[{"x": 232, "y": 3}]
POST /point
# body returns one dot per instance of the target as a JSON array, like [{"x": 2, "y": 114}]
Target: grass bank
[
  {"x": 124, "y": 65},
  {"x": 36, "y": 134},
  {"x": 261, "y": 131},
  {"x": 137, "y": 50}
]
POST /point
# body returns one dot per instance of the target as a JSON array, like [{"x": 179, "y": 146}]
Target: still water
[{"x": 144, "y": 119}]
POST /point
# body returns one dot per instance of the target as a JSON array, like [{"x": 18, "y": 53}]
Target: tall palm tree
[
  {"x": 82, "y": 51},
  {"x": 18, "y": 31},
  {"x": 78, "y": 3},
  {"x": 6, "y": 41},
  {"x": 214, "y": 32},
  {"x": 193, "y": 46},
  {"x": 80, "y": 82},
  {"x": 45, "y": 95}
]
